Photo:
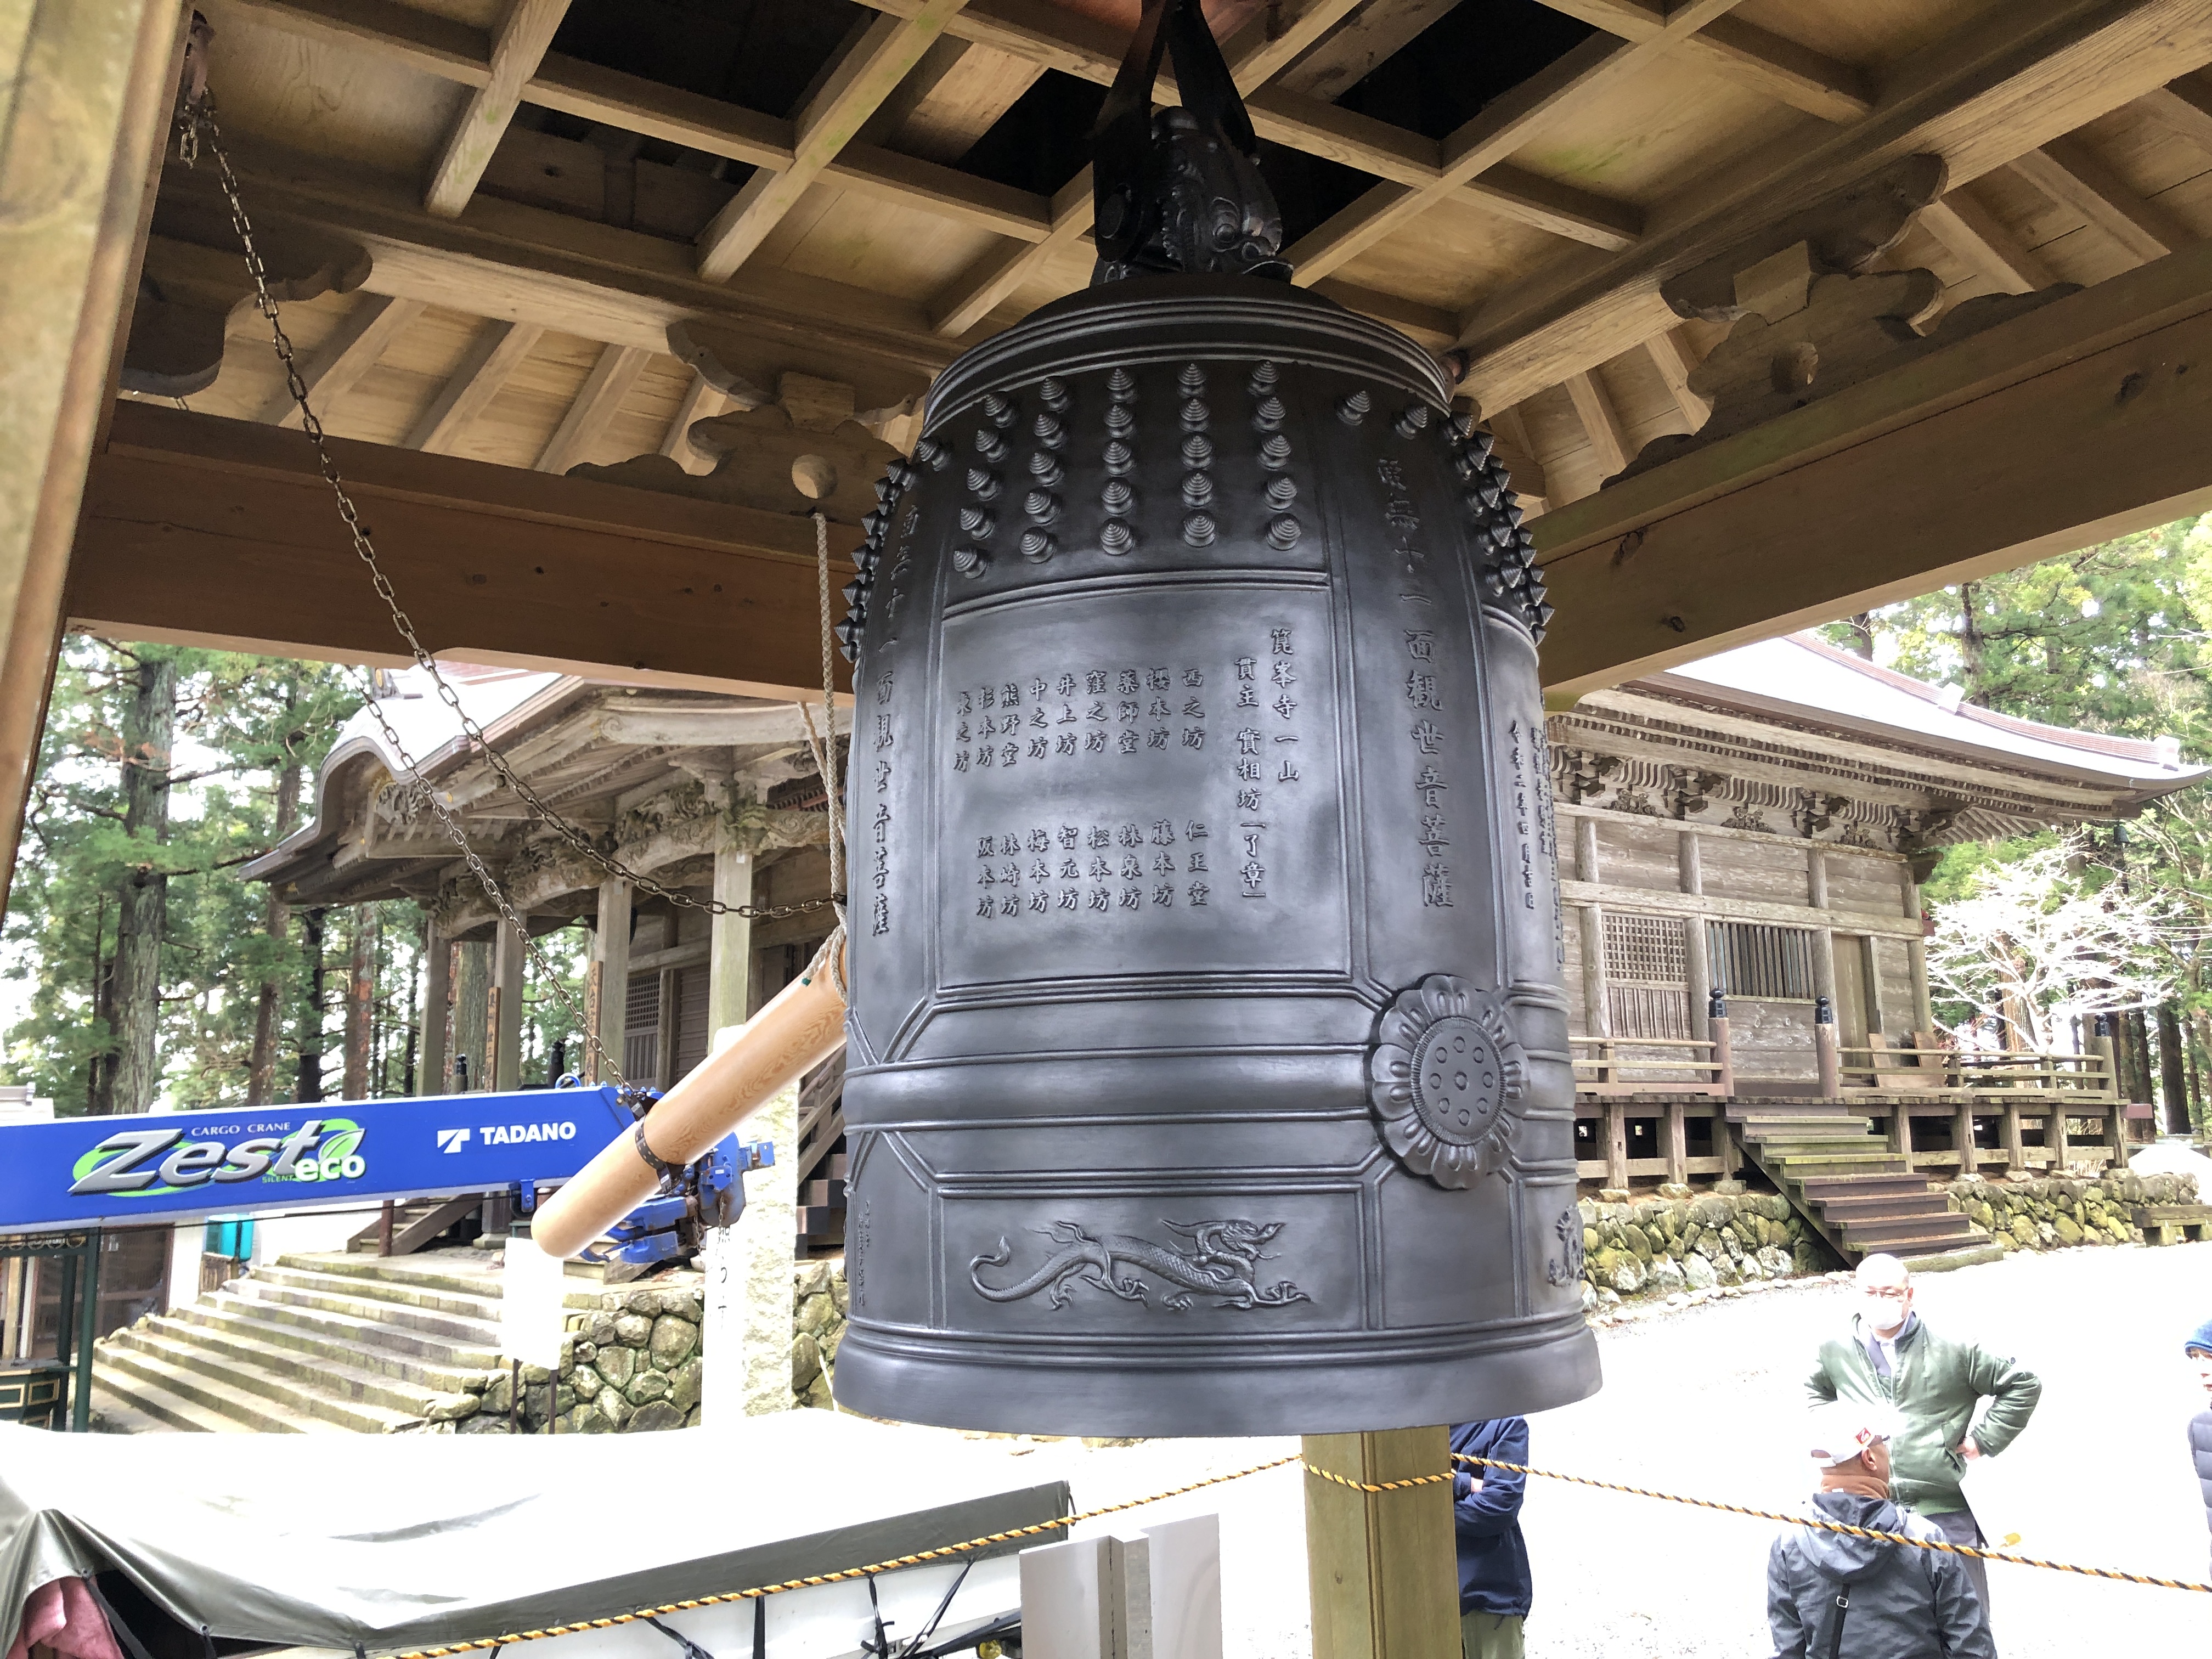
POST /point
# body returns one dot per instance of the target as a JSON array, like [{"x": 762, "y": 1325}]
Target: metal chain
[
  {"x": 197, "y": 121},
  {"x": 825, "y": 751}
]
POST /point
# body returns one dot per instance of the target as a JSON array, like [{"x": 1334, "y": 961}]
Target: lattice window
[
  {"x": 1766, "y": 963},
  {"x": 640, "y": 1059},
  {"x": 1647, "y": 974}
]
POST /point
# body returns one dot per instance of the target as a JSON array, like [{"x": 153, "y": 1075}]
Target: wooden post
[
  {"x": 88, "y": 88},
  {"x": 1962, "y": 1135},
  {"x": 384, "y": 1218},
  {"x": 2015, "y": 1148},
  {"x": 730, "y": 940},
  {"x": 1677, "y": 1144},
  {"x": 1826, "y": 1059},
  {"x": 2061, "y": 1143},
  {"x": 437, "y": 993},
  {"x": 1717, "y": 1024},
  {"x": 1381, "y": 1566},
  {"x": 471, "y": 1017},
  {"x": 1616, "y": 1144},
  {"x": 1901, "y": 1132},
  {"x": 503, "y": 1042},
  {"x": 610, "y": 962}
]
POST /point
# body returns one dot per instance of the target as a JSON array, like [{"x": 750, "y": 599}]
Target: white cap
[{"x": 1842, "y": 1431}]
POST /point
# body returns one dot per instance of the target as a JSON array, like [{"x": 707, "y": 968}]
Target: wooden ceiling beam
[
  {"x": 865, "y": 74},
  {"x": 1742, "y": 52},
  {"x": 496, "y": 352},
  {"x": 348, "y": 352},
  {"x": 384, "y": 30},
  {"x": 1979, "y": 240},
  {"x": 2184, "y": 104},
  {"x": 2072, "y": 174},
  {"x": 2005, "y": 82},
  {"x": 701, "y": 402},
  {"x": 1600, "y": 425},
  {"x": 595, "y": 404},
  {"x": 987, "y": 284},
  {"x": 523, "y": 37},
  {"x": 2004, "y": 449},
  {"x": 198, "y": 530},
  {"x": 1673, "y": 358}
]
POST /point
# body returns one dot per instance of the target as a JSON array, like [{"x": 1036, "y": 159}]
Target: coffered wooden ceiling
[{"x": 544, "y": 189}]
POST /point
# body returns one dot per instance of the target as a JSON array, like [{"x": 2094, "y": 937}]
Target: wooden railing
[
  {"x": 1628, "y": 1066},
  {"x": 1880, "y": 1069}
]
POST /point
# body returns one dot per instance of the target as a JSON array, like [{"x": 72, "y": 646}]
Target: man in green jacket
[{"x": 1934, "y": 1385}]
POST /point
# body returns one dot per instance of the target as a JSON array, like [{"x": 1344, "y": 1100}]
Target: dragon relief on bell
[
  {"x": 1221, "y": 1261},
  {"x": 1443, "y": 1076}
]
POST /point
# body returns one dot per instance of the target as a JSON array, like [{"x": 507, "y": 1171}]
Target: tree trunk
[
  {"x": 276, "y": 922},
  {"x": 361, "y": 990},
  {"x": 1861, "y": 644},
  {"x": 143, "y": 899},
  {"x": 310, "y": 1085},
  {"x": 2174, "y": 1080},
  {"x": 1970, "y": 641},
  {"x": 414, "y": 1021}
]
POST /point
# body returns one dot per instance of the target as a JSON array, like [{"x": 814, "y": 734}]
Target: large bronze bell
[{"x": 1208, "y": 1067}]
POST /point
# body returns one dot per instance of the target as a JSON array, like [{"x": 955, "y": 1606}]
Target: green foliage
[{"x": 240, "y": 720}]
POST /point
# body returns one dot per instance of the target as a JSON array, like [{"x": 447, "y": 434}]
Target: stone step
[
  {"x": 1845, "y": 1208},
  {"x": 1800, "y": 1149},
  {"x": 479, "y": 1353},
  {"x": 1900, "y": 1184},
  {"x": 122, "y": 1366},
  {"x": 478, "y": 1300},
  {"x": 1797, "y": 1165},
  {"x": 586, "y": 1280},
  {"x": 476, "y": 1333},
  {"x": 1740, "y": 1111},
  {"x": 246, "y": 1345},
  {"x": 1860, "y": 1232},
  {"x": 338, "y": 1392},
  {"x": 1932, "y": 1244},
  {"x": 148, "y": 1409},
  {"x": 410, "y": 1356}
]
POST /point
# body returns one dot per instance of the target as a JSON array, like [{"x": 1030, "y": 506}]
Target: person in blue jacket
[
  {"x": 2198, "y": 1348},
  {"x": 1494, "y": 1585}
]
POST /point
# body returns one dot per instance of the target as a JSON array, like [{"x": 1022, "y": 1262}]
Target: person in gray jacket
[{"x": 1834, "y": 1595}]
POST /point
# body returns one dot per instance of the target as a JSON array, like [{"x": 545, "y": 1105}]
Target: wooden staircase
[{"x": 1846, "y": 1182}]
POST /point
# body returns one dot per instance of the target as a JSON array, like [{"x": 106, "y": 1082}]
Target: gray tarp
[{"x": 408, "y": 1540}]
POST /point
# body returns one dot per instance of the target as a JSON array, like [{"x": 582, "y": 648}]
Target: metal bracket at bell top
[{"x": 1180, "y": 191}]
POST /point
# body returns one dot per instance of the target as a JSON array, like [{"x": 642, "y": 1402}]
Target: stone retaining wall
[
  {"x": 2053, "y": 1213},
  {"x": 818, "y": 1313}
]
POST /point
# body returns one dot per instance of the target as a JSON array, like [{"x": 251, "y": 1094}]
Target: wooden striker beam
[{"x": 205, "y": 531}]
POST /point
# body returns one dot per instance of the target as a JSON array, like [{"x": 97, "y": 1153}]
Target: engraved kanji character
[
  {"x": 1064, "y": 686},
  {"x": 987, "y": 697},
  {"x": 884, "y": 688},
  {"x": 1128, "y": 712},
  {"x": 1040, "y": 871},
  {"x": 883, "y": 915},
  {"x": 1128, "y": 743},
  {"x": 1158, "y": 679},
  {"x": 986, "y": 756},
  {"x": 1040, "y": 747},
  {"x": 1197, "y": 861},
  {"x": 1285, "y": 705},
  {"x": 1010, "y": 694},
  {"x": 1160, "y": 709},
  {"x": 1248, "y": 696},
  {"x": 1197, "y": 893},
  {"x": 1159, "y": 738},
  {"x": 1421, "y": 690},
  {"x": 1165, "y": 893},
  {"x": 966, "y": 704},
  {"x": 1194, "y": 737},
  {"x": 990, "y": 726},
  {"x": 883, "y": 730},
  {"x": 1387, "y": 470},
  {"x": 1193, "y": 677},
  {"x": 1251, "y": 833},
  {"x": 987, "y": 846},
  {"x": 1281, "y": 674},
  {"x": 960, "y": 736},
  {"x": 1010, "y": 904},
  {"x": 1100, "y": 869},
  {"x": 1194, "y": 830},
  {"x": 1038, "y": 841},
  {"x": 989, "y": 877},
  {"x": 1130, "y": 835},
  {"x": 1010, "y": 875},
  {"x": 1094, "y": 682},
  {"x": 884, "y": 773},
  {"x": 1071, "y": 869},
  {"x": 1288, "y": 774},
  {"x": 1427, "y": 784},
  {"x": 1133, "y": 898},
  {"x": 1037, "y": 719},
  {"x": 1071, "y": 898},
  {"x": 1037, "y": 688},
  {"x": 1421, "y": 645},
  {"x": 1100, "y": 835},
  {"x": 1039, "y": 902},
  {"x": 1070, "y": 837},
  {"x": 1127, "y": 682},
  {"x": 1101, "y": 900},
  {"x": 984, "y": 907},
  {"x": 1247, "y": 741},
  {"x": 1064, "y": 743},
  {"x": 1133, "y": 867},
  {"x": 1009, "y": 845},
  {"x": 1007, "y": 754},
  {"x": 1435, "y": 886},
  {"x": 1281, "y": 639},
  {"x": 1163, "y": 865},
  {"x": 1095, "y": 712},
  {"x": 1428, "y": 736},
  {"x": 1246, "y": 666},
  {"x": 1248, "y": 800},
  {"x": 1162, "y": 832},
  {"x": 959, "y": 763},
  {"x": 1193, "y": 710},
  {"x": 1066, "y": 715},
  {"x": 1253, "y": 875},
  {"x": 1432, "y": 824},
  {"x": 1248, "y": 770}
]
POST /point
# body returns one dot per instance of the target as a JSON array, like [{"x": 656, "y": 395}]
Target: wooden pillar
[
  {"x": 86, "y": 95},
  {"x": 471, "y": 1014},
  {"x": 1901, "y": 1132},
  {"x": 671, "y": 990},
  {"x": 1723, "y": 1057},
  {"x": 1616, "y": 1144},
  {"x": 505, "y": 1023},
  {"x": 1678, "y": 1143},
  {"x": 1816, "y": 878},
  {"x": 430, "y": 1075},
  {"x": 2015, "y": 1149},
  {"x": 1696, "y": 946},
  {"x": 359, "y": 1003},
  {"x": 1962, "y": 1135},
  {"x": 1597, "y": 1016},
  {"x": 1381, "y": 1566},
  {"x": 610, "y": 1013},
  {"x": 730, "y": 942}
]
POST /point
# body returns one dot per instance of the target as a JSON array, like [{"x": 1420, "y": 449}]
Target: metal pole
[{"x": 87, "y": 1331}]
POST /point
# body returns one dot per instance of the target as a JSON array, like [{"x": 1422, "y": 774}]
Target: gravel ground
[{"x": 1706, "y": 1401}]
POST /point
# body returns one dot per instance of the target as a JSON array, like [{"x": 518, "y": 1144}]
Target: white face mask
[{"x": 1881, "y": 1312}]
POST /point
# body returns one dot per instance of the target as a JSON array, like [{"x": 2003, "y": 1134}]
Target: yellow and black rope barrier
[{"x": 943, "y": 1552}]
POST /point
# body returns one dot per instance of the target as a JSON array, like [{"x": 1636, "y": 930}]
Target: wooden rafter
[
  {"x": 349, "y": 352},
  {"x": 977, "y": 290},
  {"x": 702, "y": 401},
  {"x": 2005, "y": 81},
  {"x": 492, "y": 357},
  {"x": 2071, "y": 173},
  {"x": 1601, "y": 424},
  {"x": 862, "y": 77},
  {"x": 603, "y": 390},
  {"x": 1674, "y": 361},
  {"x": 2185, "y": 106},
  {"x": 1981, "y": 240},
  {"x": 1744, "y": 52},
  {"x": 523, "y": 37}
]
